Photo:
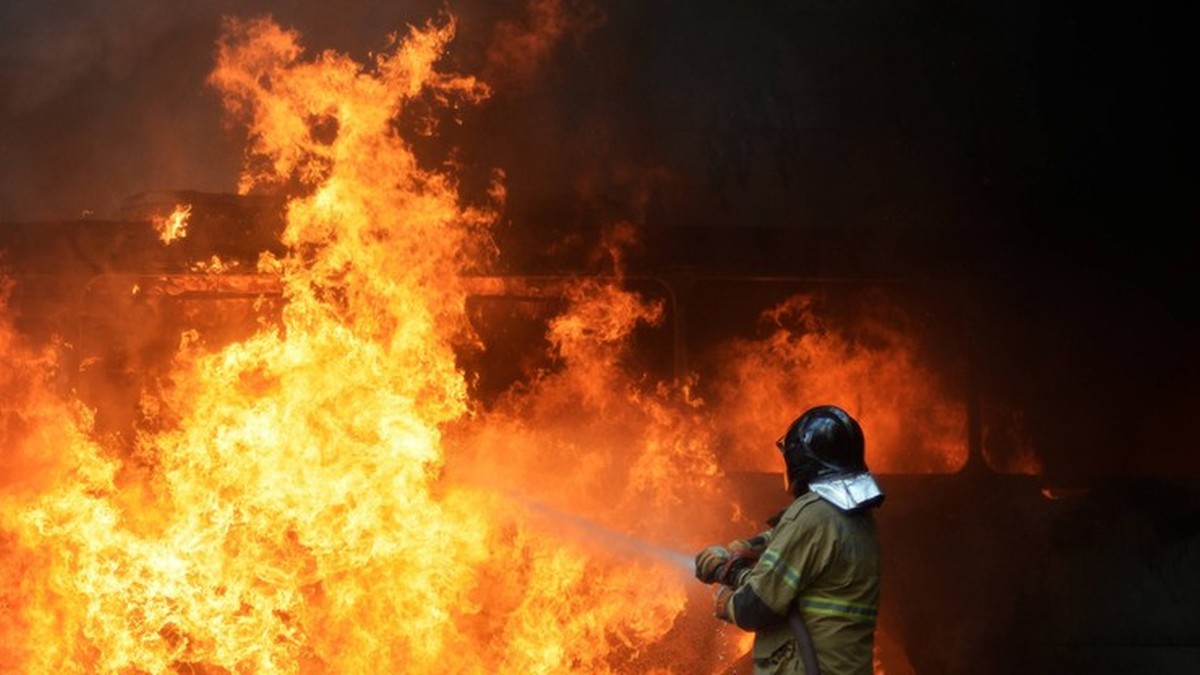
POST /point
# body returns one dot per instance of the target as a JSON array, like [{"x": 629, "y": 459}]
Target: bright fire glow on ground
[{"x": 325, "y": 497}]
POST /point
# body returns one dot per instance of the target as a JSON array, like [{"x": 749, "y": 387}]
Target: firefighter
[{"x": 808, "y": 587}]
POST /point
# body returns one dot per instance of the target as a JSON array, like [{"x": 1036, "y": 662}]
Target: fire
[
  {"x": 286, "y": 508},
  {"x": 324, "y": 496},
  {"x": 910, "y": 420},
  {"x": 173, "y": 226},
  {"x": 214, "y": 265}
]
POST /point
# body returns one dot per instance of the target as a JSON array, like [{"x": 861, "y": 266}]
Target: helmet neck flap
[{"x": 823, "y": 450}]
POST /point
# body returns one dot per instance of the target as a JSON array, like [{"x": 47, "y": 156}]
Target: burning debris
[
  {"x": 173, "y": 226},
  {"x": 324, "y": 493}
]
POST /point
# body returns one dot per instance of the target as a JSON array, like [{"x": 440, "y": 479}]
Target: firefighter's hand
[
  {"x": 711, "y": 563},
  {"x": 737, "y": 568},
  {"x": 721, "y": 603}
]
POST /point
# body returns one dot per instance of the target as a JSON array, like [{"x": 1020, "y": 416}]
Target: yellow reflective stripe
[
  {"x": 831, "y": 607},
  {"x": 770, "y": 560}
]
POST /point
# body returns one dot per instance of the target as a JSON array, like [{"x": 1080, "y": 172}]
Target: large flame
[
  {"x": 323, "y": 496},
  {"x": 286, "y": 510},
  {"x": 911, "y": 423}
]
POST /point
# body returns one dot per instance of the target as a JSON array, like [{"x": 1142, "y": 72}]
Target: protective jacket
[{"x": 825, "y": 563}]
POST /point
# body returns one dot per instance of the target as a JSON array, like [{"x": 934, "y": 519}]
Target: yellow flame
[
  {"x": 287, "y": 510},
  {"x": 173, "y": 226},
  {"x": 214, "y": 265},
  {"x": 323, "y": 496}
]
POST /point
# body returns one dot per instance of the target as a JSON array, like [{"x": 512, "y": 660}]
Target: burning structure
[{"x": 329, "y": 424}]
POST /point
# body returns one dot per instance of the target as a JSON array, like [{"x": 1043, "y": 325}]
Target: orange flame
[
  {"x": 286, "y": 510},
  {"x": 324, "y": 495},
  {"x": 911, "y": 422},
  {"x": 173, "y": 226}
]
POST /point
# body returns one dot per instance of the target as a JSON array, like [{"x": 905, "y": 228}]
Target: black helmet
[{"x": 824, "y": 441}]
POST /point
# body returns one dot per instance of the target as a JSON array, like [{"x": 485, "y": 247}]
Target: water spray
[{"x": 682, "y": 562}]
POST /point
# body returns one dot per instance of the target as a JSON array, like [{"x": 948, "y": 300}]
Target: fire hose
[{"x": 808, "y": 653}]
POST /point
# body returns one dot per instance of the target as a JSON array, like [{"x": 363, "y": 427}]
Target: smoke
[
  {"x": 520, "y": 48},
  {"x": 99, "y": 100},
  {"x": 52, "y": 47},
  {"x": 103, "y": 100}
]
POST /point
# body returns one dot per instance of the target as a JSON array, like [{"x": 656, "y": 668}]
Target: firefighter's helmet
[{"x": 824, "y": 441}]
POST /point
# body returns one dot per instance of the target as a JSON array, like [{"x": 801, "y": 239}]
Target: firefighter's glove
[
  {"x": 718, "y": 564},
  {"x": 710, "y": 562},
  {"x": 737, "y": 568},
  {"x": 721, "y": 603}
]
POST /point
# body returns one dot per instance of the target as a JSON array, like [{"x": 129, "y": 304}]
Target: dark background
[{"x": 1035, "y": 160}]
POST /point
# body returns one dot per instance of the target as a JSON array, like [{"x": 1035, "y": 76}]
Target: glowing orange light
[
  {"x": 324, "y": 496},
  {"x": 173, "y": 226},
  {"x": 290, "y": 508},
  {"x": 911, "y": 424}
]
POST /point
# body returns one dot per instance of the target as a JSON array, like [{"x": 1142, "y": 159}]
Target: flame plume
[
  {"x": 286, "y": 509},
  {"x": 909, "y": 419},
  {"x": 324, "y": 496}
]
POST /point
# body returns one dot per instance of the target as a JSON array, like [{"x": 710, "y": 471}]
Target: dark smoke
[{"x": 101, "y": 100}]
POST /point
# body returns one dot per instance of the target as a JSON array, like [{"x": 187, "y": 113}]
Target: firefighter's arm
[
  {"x": 743, "y": 608},
  {"x": 794, "y": 554},
  {"x": 757, "y": 543}
]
